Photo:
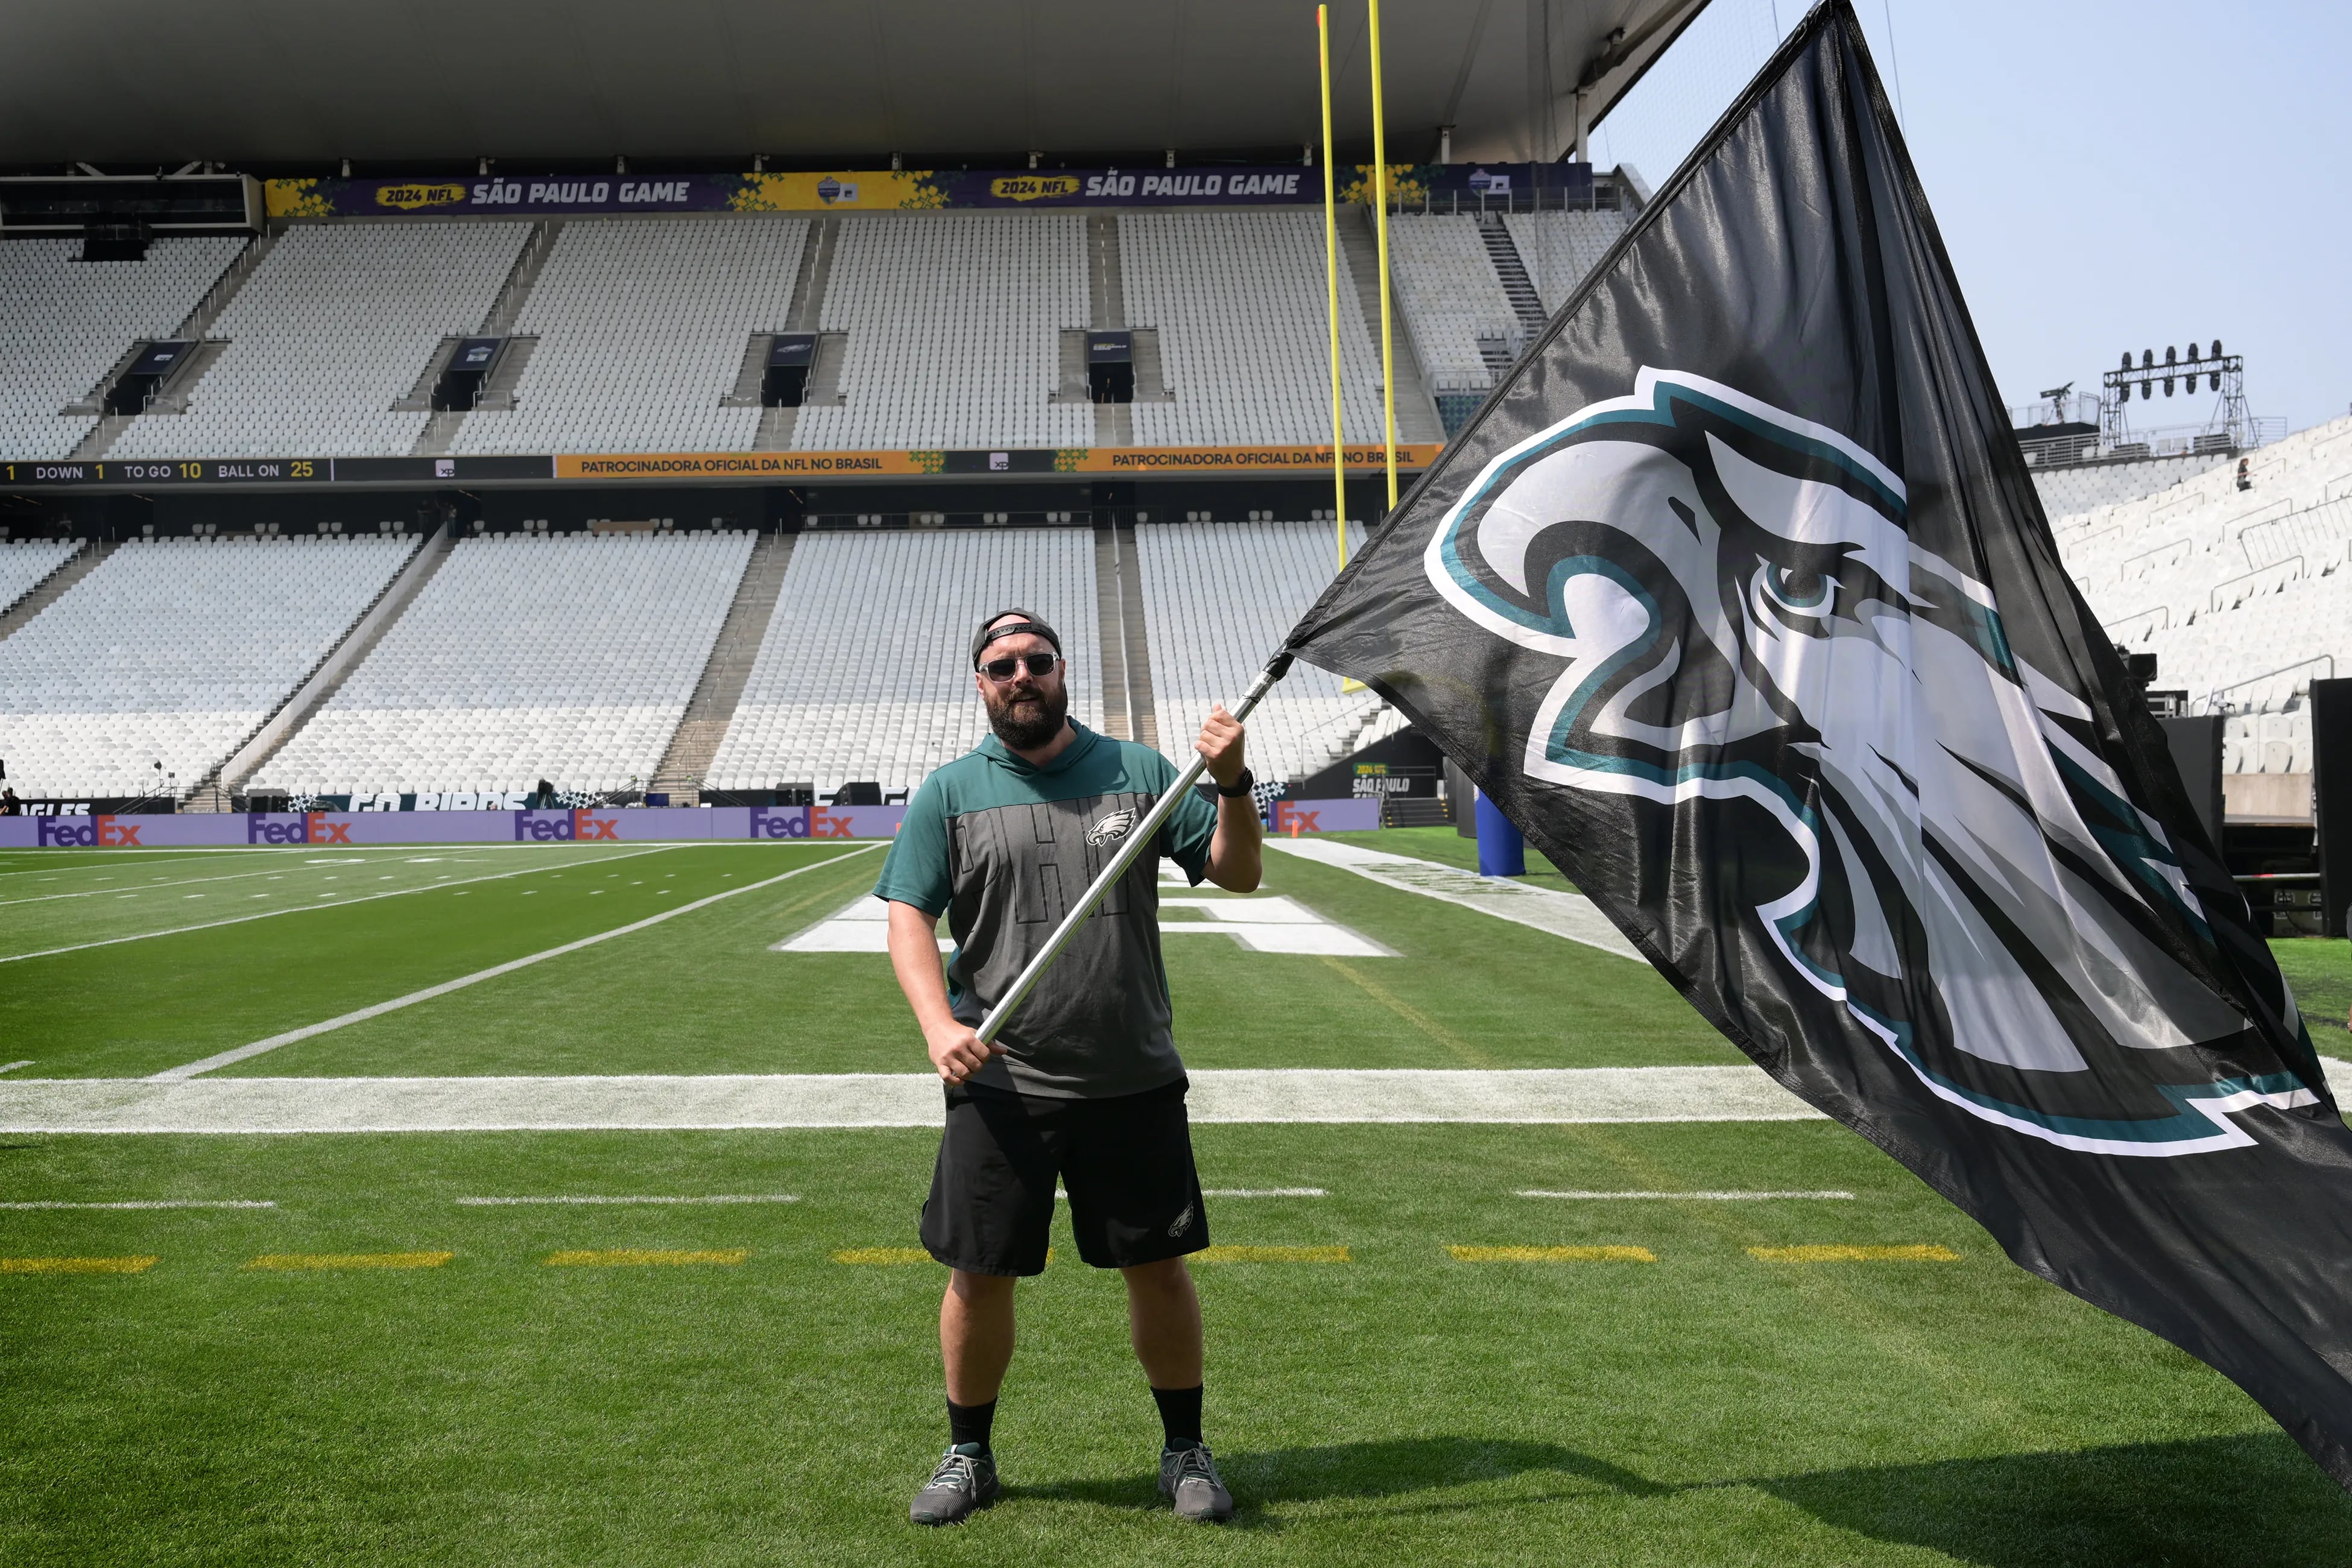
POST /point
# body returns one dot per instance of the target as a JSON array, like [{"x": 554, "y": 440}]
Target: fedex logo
[
  {"x": 1289, "y": 818},
  {"x": 797, "y": 822},
  {"x": 89, "y": 833},
  {"x": 564, "y": 826},
  {"x": 310, "y": 827}
]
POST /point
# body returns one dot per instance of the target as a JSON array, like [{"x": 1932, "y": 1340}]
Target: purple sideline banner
[
  {"x": 286, "y": 829},
  {"x": 259, "y": 829}
]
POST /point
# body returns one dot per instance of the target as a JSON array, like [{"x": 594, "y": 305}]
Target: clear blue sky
[{"x": 2107, "y": 175}]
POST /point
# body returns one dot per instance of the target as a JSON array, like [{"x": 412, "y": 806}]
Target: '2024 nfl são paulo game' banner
[{"x": 899, "y": 190}]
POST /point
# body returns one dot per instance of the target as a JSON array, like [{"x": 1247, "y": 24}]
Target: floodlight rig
[{"x": 2224, "y": 375}]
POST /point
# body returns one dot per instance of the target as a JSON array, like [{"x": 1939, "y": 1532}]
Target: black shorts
[{"x": 1127, "y": 1163}]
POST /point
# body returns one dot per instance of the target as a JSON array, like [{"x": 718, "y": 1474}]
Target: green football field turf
[{"x": 463, "y": 1399}]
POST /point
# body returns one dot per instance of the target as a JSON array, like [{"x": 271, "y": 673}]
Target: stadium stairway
[
  {"x": 212, "y": 793},
  {"x": 199, "y": 322},
  {"x": 685, "y": 762},
  {"x": 1416, "y": 411},
  {"x": 777, "y": 425},
  {"x": 1517, "y": 287},
  {"x": 1135, "y": 662},
  {"x": 75, "y": 567},
  {"x": 1110, "y": 619},
  {"x": 440, "y": 433}
]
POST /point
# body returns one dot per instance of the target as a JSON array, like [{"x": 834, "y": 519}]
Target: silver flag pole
[{"x": 1139, "y": 838}]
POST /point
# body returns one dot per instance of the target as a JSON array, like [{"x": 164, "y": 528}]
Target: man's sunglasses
[{"x": 1039, "y": 665}]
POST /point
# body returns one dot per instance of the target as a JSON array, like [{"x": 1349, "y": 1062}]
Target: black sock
[
  {"x": 1180, "y": 1413},
  {"x": 971, "y": 1423}
]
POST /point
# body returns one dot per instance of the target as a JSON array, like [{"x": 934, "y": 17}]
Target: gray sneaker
[
  {"x": 964, "y": 1483},
  {"x": 1189, "y": 1479}
]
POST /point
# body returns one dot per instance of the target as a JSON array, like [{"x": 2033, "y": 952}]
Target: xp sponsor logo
[
  {"x": 564, "y": 827},
  {"x": 87, "y": 833},
  {"x": 796, "y": 822},
  {"x": 310, "y": 827}
]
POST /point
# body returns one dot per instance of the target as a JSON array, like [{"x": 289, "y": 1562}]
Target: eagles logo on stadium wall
[{"x": 1750, "y": 636}]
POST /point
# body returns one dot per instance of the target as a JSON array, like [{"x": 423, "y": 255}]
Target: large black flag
[{"x": 1738, "y": 600}]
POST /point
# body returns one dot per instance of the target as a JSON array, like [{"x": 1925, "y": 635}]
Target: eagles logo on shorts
[{"x": 1115, "y": 826}]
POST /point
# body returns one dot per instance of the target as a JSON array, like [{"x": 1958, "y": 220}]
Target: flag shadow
[{"x": 2253, "y": 1499}]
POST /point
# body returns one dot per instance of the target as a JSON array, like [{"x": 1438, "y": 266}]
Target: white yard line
[
  {"x": 1569, "y": 915},
  {"x": 157, "y": 1203},
  {"x": 866, "y": 1099},
  {"x": 241, "y": 1053},
  {"x": 1264, "y": 1192},
  {"x": 338, "y": 904},
  {"x": 140, "y": 888},
  {"x": 12, "y": 1067},
  {"x": 1707, "y": 1197},
  {"x": 713, "y": 1198}
]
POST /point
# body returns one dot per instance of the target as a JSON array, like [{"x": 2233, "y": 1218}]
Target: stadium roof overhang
[{"x": 264, "y": 86}]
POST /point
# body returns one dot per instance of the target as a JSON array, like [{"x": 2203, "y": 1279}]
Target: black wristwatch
[{"x": 1241, "y": 786}]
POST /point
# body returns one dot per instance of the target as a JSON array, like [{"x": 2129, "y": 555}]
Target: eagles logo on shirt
[{"x": 1112, "y": 828}]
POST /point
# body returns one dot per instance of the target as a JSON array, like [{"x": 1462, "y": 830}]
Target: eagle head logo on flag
[{"x": 1741, "y": 617}]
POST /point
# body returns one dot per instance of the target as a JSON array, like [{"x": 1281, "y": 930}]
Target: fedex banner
[
  {"x": 717, "y": 824},
  {"x": 1450, "y": 185},
  {"x": 272, "y": 829}
]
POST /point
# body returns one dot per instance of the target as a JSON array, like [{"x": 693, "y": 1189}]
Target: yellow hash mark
[
  {"x": 75, "y": 1265},
  {"x": 630, "y": 1258},
  {"x": 1553, "y": 1255},
  {"x": 1272, "y": 1255},
  {"x": 883, "y": 1255},
  {"x": 1412, "y": 1015},
  {"x": 352, "y": 1260},
  {"x": 1928, "y": 1254}
]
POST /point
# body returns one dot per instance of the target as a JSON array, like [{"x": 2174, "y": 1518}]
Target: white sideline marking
[
  {"x": 144, "y": 888},
  {"x": 157, "y": 1203},
  {"x": 170, "y": 1074},
  {"x": 1266, "y": 924},
  {"x": 1569, "y": 915},
  {"x": 714, "y": 1198},
  {"x": 346, "y": 903},
  {"x": 719, "y": 1100},
  {"x": 1264, "y": 1192},
  {"x": 1713, "y": 1197},
  {"x": 12, "y": 1067}
]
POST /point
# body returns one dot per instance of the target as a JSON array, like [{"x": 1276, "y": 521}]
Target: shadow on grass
[
  {"x": 1395, "y": 1468},
  {"x": 2253, "y": 1499},
  {"x": 2250, "y": 1499}
]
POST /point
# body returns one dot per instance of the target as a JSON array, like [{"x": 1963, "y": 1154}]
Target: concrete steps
[
  {"x": 1136, "y": 653},
  {"x": 213, "y": 790},
  {"x": 1416, "y": 411},
  {"x": 1119, "y": 719},
  {"x": 685, "y": 761},
  {"x": 72, "y": 569}
]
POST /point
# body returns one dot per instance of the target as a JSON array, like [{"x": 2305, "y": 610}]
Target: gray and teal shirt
[{"x": 1005, "y": 848}]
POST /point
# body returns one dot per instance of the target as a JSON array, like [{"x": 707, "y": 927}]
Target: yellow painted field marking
[
  {"x": 295, "y": 1260},
  {"x": 1272, "y": 1255},
  {"x": 1553, "y": 1255},
  {"x": 75, "y": 1265},
  {"x": 1928, "y": 1254},
  {"x": 885, "y": 1256},
  {"x": 631, "y": 1258}
]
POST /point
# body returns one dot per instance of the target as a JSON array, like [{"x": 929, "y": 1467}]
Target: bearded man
[{"x": 1083, "y": 1089}]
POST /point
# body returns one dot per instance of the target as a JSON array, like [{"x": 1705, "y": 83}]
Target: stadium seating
[
  {"x": 337, "y": 324},
  {"x": 865, "y": 672},
  {"x": 68, "y": 322},
  {"x": 1558, "y": 248},
  {"x": 2242, "y": 596},
  {"x": 954, "y": 324},
  {"x": 570, "y": 657},
  {"x": 642, "y": 326},
  {"x": 1239, "y": 301},
  {"x": 1218, "y": 599},
  {"x": 26, "y": 562},
  {"x": 174, "y": 651},
  {"x": 2067, "y": 492},
  {"x": 1446, "y": 289}
]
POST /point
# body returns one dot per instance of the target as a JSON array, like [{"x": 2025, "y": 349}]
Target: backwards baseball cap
[{"x": 989, "y": 632}]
